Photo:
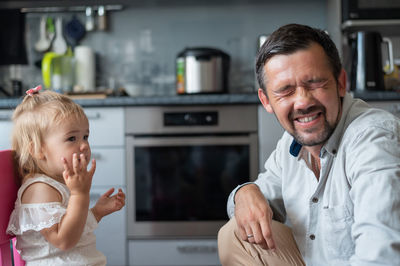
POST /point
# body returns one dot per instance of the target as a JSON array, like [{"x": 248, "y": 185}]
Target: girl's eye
[
  {"x": 86, "y": 137},
  {"x": 71, "y": 139}
]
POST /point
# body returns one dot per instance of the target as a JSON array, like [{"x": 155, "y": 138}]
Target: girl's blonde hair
[{"x": 32, "y": 118}]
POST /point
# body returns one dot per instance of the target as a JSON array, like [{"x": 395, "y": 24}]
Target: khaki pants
[{"x": 234, "y": 251}]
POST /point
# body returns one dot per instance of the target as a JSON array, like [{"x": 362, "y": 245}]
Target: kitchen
[{"x": 138, "y": 52}]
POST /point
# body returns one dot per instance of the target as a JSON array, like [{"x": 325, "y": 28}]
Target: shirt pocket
[{"x": 337, "y": 234}]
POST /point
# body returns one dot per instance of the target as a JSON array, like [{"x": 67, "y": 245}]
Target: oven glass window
[{"x": 188, "y": 183}]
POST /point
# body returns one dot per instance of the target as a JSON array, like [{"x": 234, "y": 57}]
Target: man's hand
[
  {"x": 107, "y": 204},
  {"x": 254, "y": 217}
]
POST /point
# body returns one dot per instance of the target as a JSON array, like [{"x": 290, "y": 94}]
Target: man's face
[{"x": 303, "y": 94}]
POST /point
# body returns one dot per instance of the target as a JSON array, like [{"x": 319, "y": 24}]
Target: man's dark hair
[{"x": 291, "y": 38}]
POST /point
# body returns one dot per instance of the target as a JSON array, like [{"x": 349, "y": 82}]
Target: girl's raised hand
[
  {"x": 107, "y": 204},
  {"x": 77, "y": 178}
]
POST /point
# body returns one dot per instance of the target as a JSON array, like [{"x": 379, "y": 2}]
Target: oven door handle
[
  {"x": 197, "y": 249},
  {"x": 190, "y": 140}
]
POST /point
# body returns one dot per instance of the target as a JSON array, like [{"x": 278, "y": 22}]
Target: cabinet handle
[
  {"x": 93, "y": 116},
  {"x": 5, "y": 117},
  {"x": 197, "y": 249},
  {"x": 96, "y": 155}
]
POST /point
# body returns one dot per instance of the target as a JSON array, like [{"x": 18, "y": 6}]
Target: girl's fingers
[
  {"x": 93, "y": 168},
  {"x": 108, "y": 193},
  {"x": 66, "y": 172},
  {"x": 75, "y": 162},
  {"x": 83, "y": 162}
]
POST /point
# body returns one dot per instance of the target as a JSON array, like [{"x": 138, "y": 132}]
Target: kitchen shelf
[
  {"x": 386, "y": 26},
  {"x": 68, "y": 9}
]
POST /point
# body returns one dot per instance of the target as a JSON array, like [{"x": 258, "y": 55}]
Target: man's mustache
[{"x": 311, "y": 109}]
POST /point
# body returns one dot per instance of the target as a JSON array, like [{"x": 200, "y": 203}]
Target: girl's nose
[{"x": 84, "y": 145}]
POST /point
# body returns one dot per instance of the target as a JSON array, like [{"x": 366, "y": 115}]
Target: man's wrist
[{"x": 241, "y": 187}]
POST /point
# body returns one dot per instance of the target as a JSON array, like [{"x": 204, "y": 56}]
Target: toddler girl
[{"x": 51, "y": 219}]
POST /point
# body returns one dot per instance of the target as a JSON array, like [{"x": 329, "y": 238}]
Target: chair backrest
[{"x": 8, "y": 194}]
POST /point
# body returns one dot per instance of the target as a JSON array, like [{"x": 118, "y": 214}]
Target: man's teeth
[{"x": 307, "y": 119}]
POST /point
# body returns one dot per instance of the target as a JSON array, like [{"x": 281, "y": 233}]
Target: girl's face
[{"x": 62, "y": 141}]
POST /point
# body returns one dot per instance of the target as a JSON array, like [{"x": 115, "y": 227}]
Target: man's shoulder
[{"x": 363, "y": 118}]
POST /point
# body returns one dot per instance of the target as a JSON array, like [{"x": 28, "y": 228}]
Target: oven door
[{"x": 178, "y": 186}]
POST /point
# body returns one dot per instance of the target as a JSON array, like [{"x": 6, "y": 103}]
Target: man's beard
[{"x": 322, "y": 137}]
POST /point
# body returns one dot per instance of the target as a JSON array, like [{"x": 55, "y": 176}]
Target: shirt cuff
[{"x": 231, "y": 199}]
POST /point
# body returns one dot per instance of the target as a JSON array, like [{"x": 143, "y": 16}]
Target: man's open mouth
[{"x": 308, "y": 118}]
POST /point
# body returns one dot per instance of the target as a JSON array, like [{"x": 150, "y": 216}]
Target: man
[{"x": 334, "y": 176}]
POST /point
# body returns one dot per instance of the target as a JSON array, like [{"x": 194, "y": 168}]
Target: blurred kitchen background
[
  {"x": 173, "y": 155},
  {"x": 138, "y": 46}
]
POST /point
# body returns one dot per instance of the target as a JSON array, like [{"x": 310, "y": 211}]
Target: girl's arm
[{"x": 67, "y": 233}]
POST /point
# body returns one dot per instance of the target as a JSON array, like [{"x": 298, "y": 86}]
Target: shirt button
[
  {"x": 334, "y": 151},
  {"x": 312, "y": 237},
  {"x": 315, "y": 200}
]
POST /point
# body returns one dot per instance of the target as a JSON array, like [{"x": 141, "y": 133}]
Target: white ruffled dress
[{"x": 27, "y": 220}]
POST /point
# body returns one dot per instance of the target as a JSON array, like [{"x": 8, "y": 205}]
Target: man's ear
[
  {"x": 264, "y": 100},
  {"x": 342, "y": 83}
]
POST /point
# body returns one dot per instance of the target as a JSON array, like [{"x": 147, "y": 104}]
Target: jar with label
[{"x": 392, "y": 80}]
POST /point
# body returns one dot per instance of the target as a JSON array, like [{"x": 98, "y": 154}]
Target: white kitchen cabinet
[
  {"x": 111, "y": 233},
  {"x": 106, "y": 126},
  {"x": 5, "y": 129},
  {"x": 269, "y": 132},
  {"x": 108, "y": 148},
  {"x": 110, "y": 166},
  {"x": 200, "y": 252}
]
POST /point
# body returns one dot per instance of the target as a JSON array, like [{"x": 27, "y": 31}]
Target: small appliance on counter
[
  {"x": 367, "y": 73},
  {"x": 202, "y": 70}
]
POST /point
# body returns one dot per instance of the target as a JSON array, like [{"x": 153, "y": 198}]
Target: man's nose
[{"x": 303, "y": 98}]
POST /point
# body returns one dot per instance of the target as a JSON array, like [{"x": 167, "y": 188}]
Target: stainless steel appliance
[
  {"x": 370, "y": 9},
  {"x": 202, "y": 70},
  {"x": 367, "y": 71},
  {"x": 182, "y": 163}
]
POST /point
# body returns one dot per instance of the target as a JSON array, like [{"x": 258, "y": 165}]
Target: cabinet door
[
  {"x": 5, "y": 129},
  {"x": 110, "y": 166},
  {"x": 111, "y": 232},
  {"x": 173, "y": 252},
  {"x": 269, "y": 132},
  {"x": 106, "y": 126}
]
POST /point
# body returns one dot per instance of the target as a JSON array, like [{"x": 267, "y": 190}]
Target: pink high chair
[{"x": 8, "y": 195}]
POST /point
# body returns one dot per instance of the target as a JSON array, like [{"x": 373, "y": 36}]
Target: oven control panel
[{"x": 190, "y": 118}]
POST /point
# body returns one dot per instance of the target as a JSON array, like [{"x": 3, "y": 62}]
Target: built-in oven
[{"x": 182, "y": 163}]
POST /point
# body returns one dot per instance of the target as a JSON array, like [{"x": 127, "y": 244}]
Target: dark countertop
[{"x": 199, "y": 99}]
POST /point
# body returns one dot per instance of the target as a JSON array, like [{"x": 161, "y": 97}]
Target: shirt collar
[{"x": 333, "y": 142}]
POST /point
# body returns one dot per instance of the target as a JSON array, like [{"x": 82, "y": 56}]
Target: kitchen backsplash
[{"x": 140, "y": 46}]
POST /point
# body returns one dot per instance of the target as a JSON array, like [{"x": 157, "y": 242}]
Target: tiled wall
[{"x": 122, "y": 59}]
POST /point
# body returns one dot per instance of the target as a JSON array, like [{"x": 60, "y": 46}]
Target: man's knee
[{"x": 225, "y": 240}]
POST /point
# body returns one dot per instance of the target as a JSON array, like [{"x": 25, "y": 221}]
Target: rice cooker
[{"x": 202, "y": 70}]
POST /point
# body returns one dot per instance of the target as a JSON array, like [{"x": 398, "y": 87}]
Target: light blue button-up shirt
[{"x": 351, "y": 215}]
